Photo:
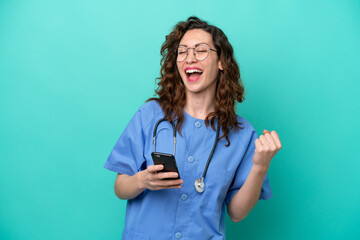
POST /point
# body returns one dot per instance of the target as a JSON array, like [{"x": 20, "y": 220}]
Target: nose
[{"x": 191, "y": 56}]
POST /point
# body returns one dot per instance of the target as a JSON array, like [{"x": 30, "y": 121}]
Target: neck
[{"x": 199, "y": 105}]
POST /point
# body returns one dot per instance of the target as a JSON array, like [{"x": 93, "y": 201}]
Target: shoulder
[
  {"x": 148, "y": 112},
  {"x": 246, "y": 133},
  {"x": 151, "y": 107},
  {"x": 245, "y": 124}
]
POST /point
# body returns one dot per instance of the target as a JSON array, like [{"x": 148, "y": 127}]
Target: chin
[{"x": 194, "y": 89}]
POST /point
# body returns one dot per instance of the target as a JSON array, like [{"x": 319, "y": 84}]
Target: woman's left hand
[{"x": 266, "y": 146}]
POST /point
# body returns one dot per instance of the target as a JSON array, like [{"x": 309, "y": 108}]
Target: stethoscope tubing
[
  {"x": 212, "y": 151},
  {"x": 155, "y": 129}
]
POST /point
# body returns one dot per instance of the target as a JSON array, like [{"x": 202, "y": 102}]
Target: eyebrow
[{"x": 184, "y": 45}]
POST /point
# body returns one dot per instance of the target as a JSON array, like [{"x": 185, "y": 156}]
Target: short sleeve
[
  {"x": 127, "y": 156},
  {"x": 243, "y": 171}
]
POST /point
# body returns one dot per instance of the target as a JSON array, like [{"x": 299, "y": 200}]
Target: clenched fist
[{"x": 266, "y": 146}]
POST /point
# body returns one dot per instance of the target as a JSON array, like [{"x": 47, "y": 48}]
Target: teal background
[{"x": 72, "y": 74}]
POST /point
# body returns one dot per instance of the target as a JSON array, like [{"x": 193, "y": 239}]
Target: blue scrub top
[{"x": 183, "y": 213}]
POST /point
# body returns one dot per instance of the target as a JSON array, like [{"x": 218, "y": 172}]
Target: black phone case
[{"x": 169, "y": 162}]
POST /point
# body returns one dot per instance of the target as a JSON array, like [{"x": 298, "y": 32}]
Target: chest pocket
[{"x": 217, "y": 183}]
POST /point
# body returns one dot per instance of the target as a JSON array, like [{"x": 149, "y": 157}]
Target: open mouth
[{"x": 193, "y": 74}]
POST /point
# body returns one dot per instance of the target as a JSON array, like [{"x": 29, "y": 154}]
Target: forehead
[{"x": 196, "y": 36}]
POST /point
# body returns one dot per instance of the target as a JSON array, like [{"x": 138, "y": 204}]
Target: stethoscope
[{"x": 199, "y": 182}]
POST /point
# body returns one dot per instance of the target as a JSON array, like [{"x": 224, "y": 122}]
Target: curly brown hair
[{"x": 171, "y": 90}]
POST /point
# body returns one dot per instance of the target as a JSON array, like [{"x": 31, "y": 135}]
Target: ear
[{"x": 220, "y": 65}]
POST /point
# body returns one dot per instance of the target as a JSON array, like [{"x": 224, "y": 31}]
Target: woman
[{"x": 199, "y": 83}]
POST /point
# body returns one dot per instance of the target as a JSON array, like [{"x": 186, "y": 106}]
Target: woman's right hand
[{"x": 151, "y": 179}]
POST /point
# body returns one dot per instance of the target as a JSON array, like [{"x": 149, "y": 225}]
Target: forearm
[
  {"x": 248, "y": 195},
  {"x": 128, "y": 187}
]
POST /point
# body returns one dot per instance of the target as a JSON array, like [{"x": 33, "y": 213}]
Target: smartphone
[{"x": 169, "y": 162}]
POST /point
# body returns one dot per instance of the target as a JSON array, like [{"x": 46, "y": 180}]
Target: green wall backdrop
[{"x": 72, "y": 74}]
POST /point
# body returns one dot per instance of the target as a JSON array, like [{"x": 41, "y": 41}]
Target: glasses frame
[{"x": 197, "y": 45}]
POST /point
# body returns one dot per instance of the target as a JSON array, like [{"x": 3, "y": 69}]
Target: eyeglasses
[{"x": 201, "y": 52}]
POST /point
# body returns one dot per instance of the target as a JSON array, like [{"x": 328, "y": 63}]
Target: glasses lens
[
  {"x": 201, "y": 52},
  {"x": 182, "y": 53}
]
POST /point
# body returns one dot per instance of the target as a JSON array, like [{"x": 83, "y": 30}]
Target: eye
[
  {"x": 182, "y": 51},
  {"x": 201, "y": 49}
]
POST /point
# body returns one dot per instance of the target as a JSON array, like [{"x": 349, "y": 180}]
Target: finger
[
  {"x": 258, "y": 145},
  {"x": 276, "y": 139},
  {"x": 167, "y": 183},
  {"x": 155, "y": 168},
  {"x": 265, "y": 131},
  {"x": 263, "y": 141},
  {"x": 174, "y": 186},
  {"x": 167, "y": 175},
  {"x": 270, "y": 140}
]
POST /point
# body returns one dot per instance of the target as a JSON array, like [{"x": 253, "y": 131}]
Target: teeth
[{"x": 193, "y": 70}]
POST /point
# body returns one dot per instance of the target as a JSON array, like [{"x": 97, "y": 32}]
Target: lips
[{"x": 193, "y": 73}]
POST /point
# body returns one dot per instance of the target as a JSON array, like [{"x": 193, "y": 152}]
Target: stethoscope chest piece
[{"x": 199, "y": 185}]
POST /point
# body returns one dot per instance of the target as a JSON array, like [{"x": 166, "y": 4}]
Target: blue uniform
[{"x": 183, "y": 213}]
